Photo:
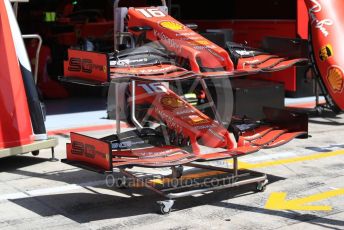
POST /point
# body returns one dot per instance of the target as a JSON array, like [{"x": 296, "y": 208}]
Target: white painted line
[
  {"x": 13, "y": 196},
  {"x": 281, "y": 155},
  {"x": 50, "y": 191},
  {"x": 270, "y": 156}
]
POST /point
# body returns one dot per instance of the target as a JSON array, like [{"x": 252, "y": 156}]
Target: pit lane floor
[{"x": 38, "y": 194}]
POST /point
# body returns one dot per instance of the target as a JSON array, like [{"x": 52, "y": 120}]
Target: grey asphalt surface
[{"x": 38, "y": 194}]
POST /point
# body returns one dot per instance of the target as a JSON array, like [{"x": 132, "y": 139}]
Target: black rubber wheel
[
  {"x": 121, "y": 183},
  {"x": 165, "y": 206},
  {"x": 260, "y": 188},
  {"x": 179, "y": 171},
  {"x": 164, "y": 210},
  {"x": 35, "y": 153}
]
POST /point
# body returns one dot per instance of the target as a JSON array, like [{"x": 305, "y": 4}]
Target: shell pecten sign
[
  {"x": 172, "y": 25},
  {"x": 335, "y": 79}
]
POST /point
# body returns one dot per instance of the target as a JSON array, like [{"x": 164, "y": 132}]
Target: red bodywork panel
[
  {"x": 87, "y": 65},
  {"x": 90, "y": 151},
  {"x": 15, "y": 121},
  {"x": 327, "y": 37}
]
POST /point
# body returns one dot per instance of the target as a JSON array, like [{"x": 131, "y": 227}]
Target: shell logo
[
  {"x": 200, "y": 42},
  {"x": 171, "y": 25},
  {"x": 335, "y": 79},
  {"x": 172, "y": 102},
  {"x": 203, "y": 42}
]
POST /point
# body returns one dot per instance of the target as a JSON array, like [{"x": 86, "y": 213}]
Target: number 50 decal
[
  {"x": 152, "y": 12},
  {"x": 155, "y": 87}
]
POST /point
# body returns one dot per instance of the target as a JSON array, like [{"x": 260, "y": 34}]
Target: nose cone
[{"x": 326, "y": 36}]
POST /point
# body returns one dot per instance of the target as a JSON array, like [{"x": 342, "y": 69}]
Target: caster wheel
[
  {"x": 319, "y": 110},
  {"x": 35, "y": 153},
  {"x": 177, "y": 172},
  {"x": 165, "y": 206},
  {"x": 261, "y": 187},
  {"x": 121, "y": 183}
]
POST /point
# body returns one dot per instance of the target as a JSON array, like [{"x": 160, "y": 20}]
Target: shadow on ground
[
  {"x": 90, "y": 205},
  {"x": 93, "y": 206},
  {"x": 310, "y": 218}
]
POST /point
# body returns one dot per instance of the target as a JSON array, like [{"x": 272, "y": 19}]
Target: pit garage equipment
[
  {"x": 170, "y": 130},
  {"x": 22, "y": 126}
]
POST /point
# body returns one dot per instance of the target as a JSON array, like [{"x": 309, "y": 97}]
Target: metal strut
[{"x": 133, "y": 106}]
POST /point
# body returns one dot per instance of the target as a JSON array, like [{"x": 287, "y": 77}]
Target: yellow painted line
[
  {"x": 244, "y": 165},
  {"x": 277, "y": 201},
  {"x": 290, "y": 160}
]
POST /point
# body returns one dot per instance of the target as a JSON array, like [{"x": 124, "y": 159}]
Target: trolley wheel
[
  {"x": 35, "y": 153},
  {"x": 177, "y": 172},
  {"x": 261, "y": 186},
  {"x": 121, "y": 183},
  {"x": 319, "y": 110},
  {"x": 165, "y": 206}
]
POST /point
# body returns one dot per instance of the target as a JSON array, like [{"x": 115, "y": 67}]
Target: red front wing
[
  {"x": 203, "y": 55},
  {"x": 183, "y": 118}
]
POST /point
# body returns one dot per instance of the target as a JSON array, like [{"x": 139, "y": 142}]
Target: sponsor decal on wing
[
  {"x": 171, "y": 102},
  {"x": 325, "y": 52},
  {"x": 171, "y": 25},
  {"x": 335, "y": 79}
]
